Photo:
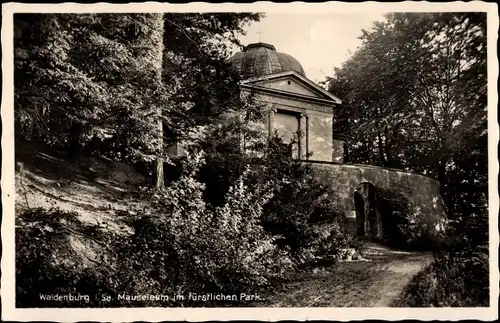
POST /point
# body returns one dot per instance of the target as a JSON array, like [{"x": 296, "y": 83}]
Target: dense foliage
[
  {"x": 415, "y": 98},
  {"x": 103, "y": 81},
  {"x": 46, "y": 266},
  {"x": 457, "y": 279},
  {"x": 204, "y": 249},
  {"x": 302, "y": 211}
]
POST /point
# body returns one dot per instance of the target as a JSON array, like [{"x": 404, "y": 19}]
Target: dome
[{"x": 261, "y": 59}]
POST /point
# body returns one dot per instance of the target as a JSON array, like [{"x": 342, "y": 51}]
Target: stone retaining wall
[{"x": 422, "y": 192}]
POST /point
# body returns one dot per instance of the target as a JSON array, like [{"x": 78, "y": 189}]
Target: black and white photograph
[{"x": 250, "y": 158}]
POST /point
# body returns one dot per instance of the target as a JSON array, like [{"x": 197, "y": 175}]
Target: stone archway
[{"x": 368, "y": 217}]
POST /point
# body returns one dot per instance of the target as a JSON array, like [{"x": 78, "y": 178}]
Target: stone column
[
  {"x": 338, "y": 150},
  {"x": 304, "y": 139}
]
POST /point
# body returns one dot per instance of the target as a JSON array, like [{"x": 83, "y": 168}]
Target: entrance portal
[{"x": 368, "y": 219}]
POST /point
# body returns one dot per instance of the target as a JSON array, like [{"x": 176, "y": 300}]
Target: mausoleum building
[
  {"x": 296, "y": 104},
  {"x": 299, "y": 109}
]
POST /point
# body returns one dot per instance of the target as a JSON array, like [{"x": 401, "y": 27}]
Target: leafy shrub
[
  {"x": 459, "y": 274},
  {"x": 302, "y": 210},
  {"x": 324, "y": 244},
  {"x": 456, "y": 279},
  {"x": 225, "y": 160},
  {"x": 222, "y": 249},
  {"x": 300, "y": 206}
]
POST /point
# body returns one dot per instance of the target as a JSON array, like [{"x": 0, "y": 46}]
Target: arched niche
[{"x": 368, "y": 217}]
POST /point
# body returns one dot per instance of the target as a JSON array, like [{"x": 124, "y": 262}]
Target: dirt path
[{"x": 377, "y": 283}]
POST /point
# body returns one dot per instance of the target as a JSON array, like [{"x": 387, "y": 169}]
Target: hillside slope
[{"x": 97, "y": 190}]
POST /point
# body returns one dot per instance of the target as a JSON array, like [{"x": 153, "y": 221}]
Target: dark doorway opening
[
  {"x": 368, "y": 217},
  {"x": 359, "y": 203}
]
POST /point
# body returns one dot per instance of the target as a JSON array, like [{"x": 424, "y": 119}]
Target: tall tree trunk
[
  {"x": 381, "y": 149},
  {"x": 390, "y": 162},
  {"x": 160, "y": 175}
]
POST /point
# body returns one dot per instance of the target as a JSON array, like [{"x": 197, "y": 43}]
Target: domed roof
[{"x": 261, "y": 59}]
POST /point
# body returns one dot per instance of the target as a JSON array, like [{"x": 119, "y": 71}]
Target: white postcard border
[{"x": 9, "y": 312}]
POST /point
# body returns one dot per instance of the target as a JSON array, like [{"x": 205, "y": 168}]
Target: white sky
[{"x": 319, "y": 42}]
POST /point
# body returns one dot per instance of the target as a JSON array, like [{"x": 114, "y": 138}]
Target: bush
[
  {"x": 182, "y": 247},
  {"x": 223, "y": 249},
  {"x": 206, "y": 249},
  {"x": 454, "y": 279},
  {"x": 459, "y": 274},
  {"x": 302, "y": 211},
  {"x": 324, "y": 245},
  {"x": 301, "y": 206}
]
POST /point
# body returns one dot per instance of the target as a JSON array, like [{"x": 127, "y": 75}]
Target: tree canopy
[
  {"x": 100, "y": 80},
  {"x": 415, "y": 98}
]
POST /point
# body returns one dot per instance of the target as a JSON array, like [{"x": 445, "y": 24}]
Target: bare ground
[
  {"x": 102, "y": 193},
  {"x": 96, "y": 188}
]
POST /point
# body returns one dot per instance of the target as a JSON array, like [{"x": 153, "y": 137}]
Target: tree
[
  {"x": 91, "y": 81},
  {"x": 415, "y": 94},
  {"x": 79, "y": 82},
  {"x": 416, "y": 99}
]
